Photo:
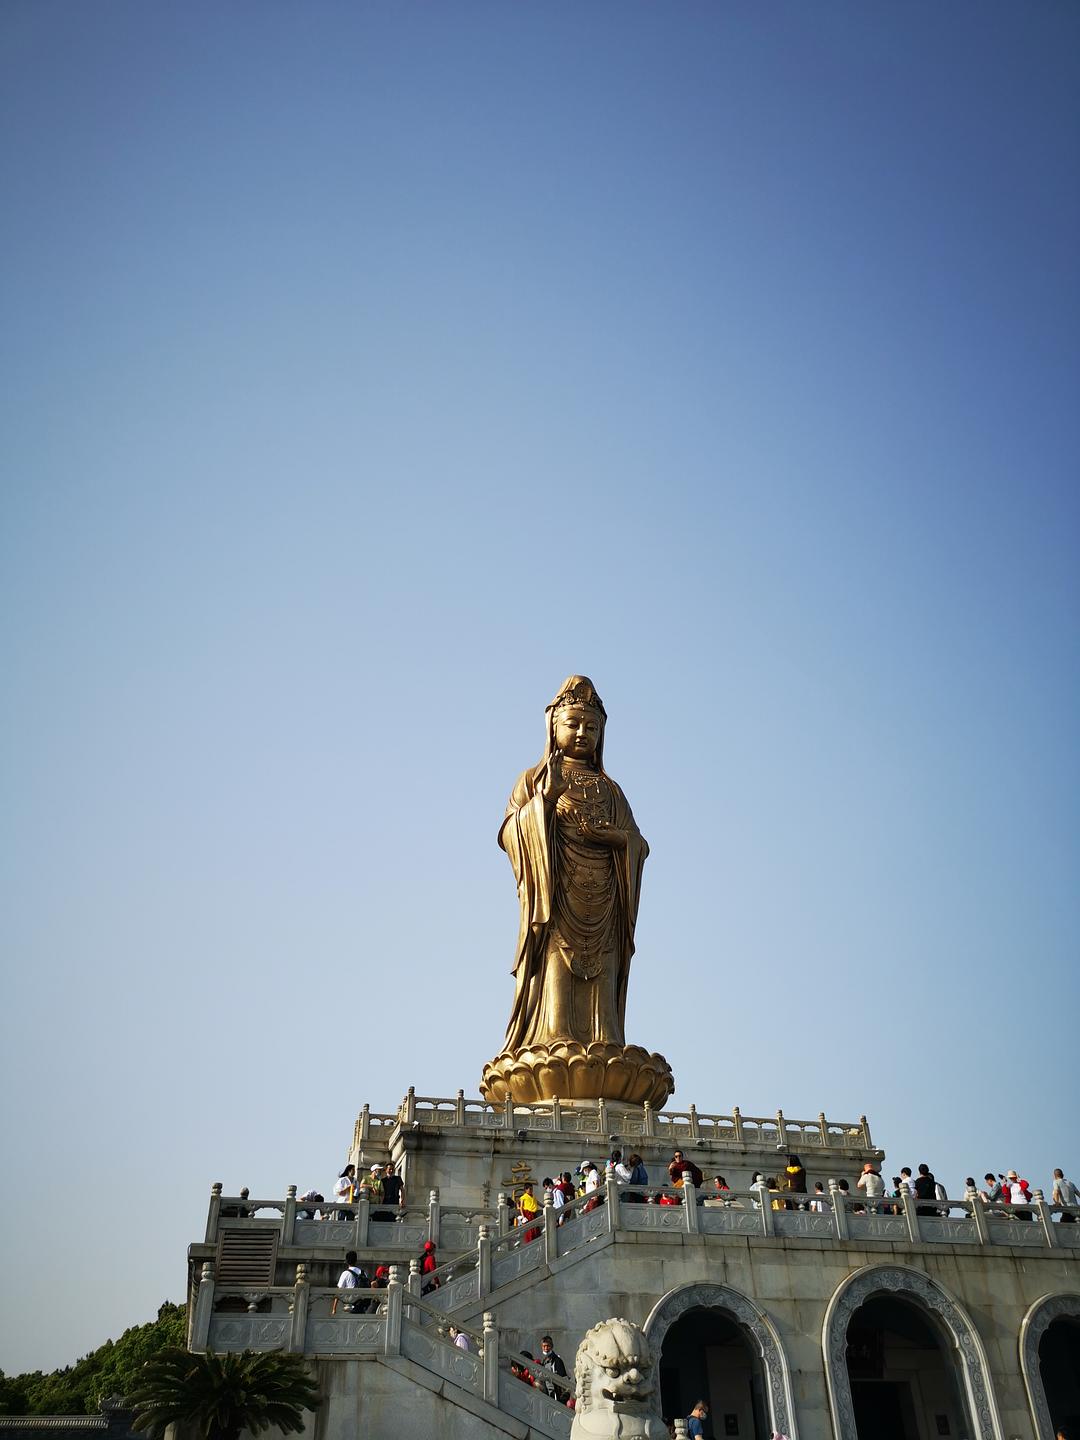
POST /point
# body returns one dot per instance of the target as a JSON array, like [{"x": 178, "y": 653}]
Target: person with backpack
[{"x": 352, "y": 1278}]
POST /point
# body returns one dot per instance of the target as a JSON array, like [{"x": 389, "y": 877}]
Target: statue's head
[
  {"x": 616, "y": 1391},
  {"x": 614, "y": 1370},
  {"x": 575, "y": 721}
]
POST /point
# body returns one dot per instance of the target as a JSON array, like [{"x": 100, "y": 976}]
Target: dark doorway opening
[
  {"x": 707, "y": 1356},
  {"x": 1059, "y": 1365},
  {"x": 905, "y": 1384}
]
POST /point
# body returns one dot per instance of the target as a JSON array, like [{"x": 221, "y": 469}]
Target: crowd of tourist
[{"x": 1004, "y": 1193}]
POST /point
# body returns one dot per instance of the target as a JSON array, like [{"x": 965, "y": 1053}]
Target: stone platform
[
  {"x": 473, "y": 1149},
  {"x": 785, "y": 1286}
]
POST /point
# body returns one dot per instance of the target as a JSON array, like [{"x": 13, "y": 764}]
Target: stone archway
[
  {"x": 1034, "y": 1326},
  {"x": 905, "y": 1283},
  {"x": 759, "y": 1330}
]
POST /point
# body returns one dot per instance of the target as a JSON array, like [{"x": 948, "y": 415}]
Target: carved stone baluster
[
  {"x": 823, "y": 1128},
  {"x": 736, "y": 1116},
  {"x": 491, "y": 1359},
  {"x": 689, "y": 1190},
  {"x": 551, "y": 1230},
  {"x": 288, "y": 1220},
  {"x": 1046, "y": 1218},
  {"x": 767, "y": 1226},
  {"x": 204, "y": 1309},
  {"x": 434, "y": 1218},
  {"x": 839, "y": 1210},
  {"x": 459, "y": 1109},
  {"x": 911, "y": 1215},
  {"x": 650, "y": 1119},
  {"x": 483, "y": 1261},
  {"x": 213, "y": 1213},
  {"x": 611, "y": 1193},
  {"x": 978, "y": 1215},
  {"x": 781, "y": 1129},
  {"x": 392, "y": 1333},
  {"x": 505, "y": 1221},
  {"x": 865, "y": 1124},
  {"x": 301, "y": 1301}
]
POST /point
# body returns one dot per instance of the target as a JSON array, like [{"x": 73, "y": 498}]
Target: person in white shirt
[
  {"x": 871, "y": 1184},
  {"x": 352, "y": 1278},
  {"x": 460, "y": 1339},
  {"x": 1064, "y": 1193},
  {"x": 819, "y": 1203}
]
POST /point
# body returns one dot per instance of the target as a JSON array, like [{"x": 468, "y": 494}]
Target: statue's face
[{"x": 577, "y": 732}]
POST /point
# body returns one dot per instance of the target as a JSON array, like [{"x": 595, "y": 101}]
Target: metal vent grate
[{"x": 246, "y": 1257}]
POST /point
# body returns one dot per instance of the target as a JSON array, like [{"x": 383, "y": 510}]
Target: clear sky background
[{"x": 367, "y": 369}]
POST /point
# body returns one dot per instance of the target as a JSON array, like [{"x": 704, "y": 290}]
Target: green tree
[
  {"x": 114, "y": 1368},
  {"x": 222, "y": 1395}
]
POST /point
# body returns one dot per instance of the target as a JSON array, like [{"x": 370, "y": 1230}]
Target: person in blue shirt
[{"x": 694, "y": 1425}]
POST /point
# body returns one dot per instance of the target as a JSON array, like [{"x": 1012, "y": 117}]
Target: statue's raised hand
[{"x": 554, "y": 784}]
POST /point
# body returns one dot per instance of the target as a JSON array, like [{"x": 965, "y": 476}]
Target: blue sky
[{"x": 366, "y": 370}]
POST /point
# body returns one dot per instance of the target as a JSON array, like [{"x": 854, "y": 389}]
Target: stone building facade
[{"x": 833, "y": 1322}]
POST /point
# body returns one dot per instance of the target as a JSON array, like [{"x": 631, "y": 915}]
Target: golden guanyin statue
[{"x": 577, "y": 856}]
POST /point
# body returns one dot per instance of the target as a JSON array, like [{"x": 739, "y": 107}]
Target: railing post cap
[
  {"x": 207, "y": 1270},
  {"x": 1038, "y": 1195},
  {"x": 483, "y": 1233},
  {"x": 489, "y": 1320},
  {"x": 735, "y": 1110},
  {"x": 414, "y": 1266},
  {"x": 461, "y": 1094},
  {"x": 301, "y": 1274},
  {"x": 548, "y": 1202},
  {"x": 833, "y": 1186},
  {"x": 411, "y": 1090},
  {"x": 215, "y": 1188},
  {"x": 395, "y": 1275},
  {"x": 433, "y": 1196},
  {"x": 290, "y": 1192}
]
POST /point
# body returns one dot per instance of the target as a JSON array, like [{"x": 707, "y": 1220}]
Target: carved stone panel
[
  {"x": 459, "y": 1366},
  {"x": 344, "y": 1335},
  {"x": 248, "y": 1332},
  {"x": 526, "y": 1403},
  {"x": 507, "y": 1267}
]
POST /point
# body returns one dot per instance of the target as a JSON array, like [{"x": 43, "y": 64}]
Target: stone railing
[
  {"x": 602, "y": 1118},
  {"x": 358, "y": 1226},
  {"x": 394, "y": 1322},
  {"x": 847, "y": 1217}
]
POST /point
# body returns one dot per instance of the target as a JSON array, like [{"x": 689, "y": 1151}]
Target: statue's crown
[{"x": 579, "y": 690}]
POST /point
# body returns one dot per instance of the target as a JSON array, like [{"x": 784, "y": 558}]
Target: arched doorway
[
  {"x": 715, "y": 1344},
  {"x": 706, "y": 1356},
  {"x": 903, "y": 1381},
  {"x": 1050, "y": 1360},
  {"x": 903, "y": 1361}
]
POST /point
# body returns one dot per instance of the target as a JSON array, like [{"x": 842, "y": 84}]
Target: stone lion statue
[{"x": 616, "y": 1387}]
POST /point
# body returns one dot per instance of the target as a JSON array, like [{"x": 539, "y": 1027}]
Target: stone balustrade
[
  {"x": 601, "y": 1118},
  {"x": 466, "y": 1231},
  {"x": 344, "y": 1226},
  {"x": 313, "y": 1320}
]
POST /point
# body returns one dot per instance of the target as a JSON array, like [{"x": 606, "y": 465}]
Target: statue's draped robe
[{"x": 579, "y": 902}]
